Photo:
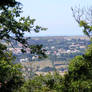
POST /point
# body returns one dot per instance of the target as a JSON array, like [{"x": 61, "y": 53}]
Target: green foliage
[
  {"x": 83, "y": 18},
  {"x": 46, "y": 83},
  {"x": 81, "y": 86},
  {"x": 10, "y": 75},
  {"x": 9, "y": 3},
  {"x": 87, "y": 29},
  {"x": 77, "y": 67},
  {"x": 78, "y": 78},
  {"x": 79, "y": 74},
  {"x": 37, "y": 49},
  {"x": 12, "y": 28}
]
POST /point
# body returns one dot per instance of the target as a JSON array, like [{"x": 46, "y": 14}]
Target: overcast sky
[{"x": 56, "y": 15}]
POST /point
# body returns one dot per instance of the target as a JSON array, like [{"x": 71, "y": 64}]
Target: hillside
[
  {"x": 60, "y": 51},
  {"x": 59, "y": 48}
]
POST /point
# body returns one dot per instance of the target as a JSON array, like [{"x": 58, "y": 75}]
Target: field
[{"x": 43, "y": 67}]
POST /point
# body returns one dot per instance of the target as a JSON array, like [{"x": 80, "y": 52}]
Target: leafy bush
[{"x": 47, "y": 83}]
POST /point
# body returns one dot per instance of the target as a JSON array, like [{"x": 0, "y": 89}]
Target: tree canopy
[
  {"x": 13, "y": 28},
  {"x": 84, "y": 18}
]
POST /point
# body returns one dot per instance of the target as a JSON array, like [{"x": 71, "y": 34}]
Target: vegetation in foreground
[{"x": 78, "y": 78}]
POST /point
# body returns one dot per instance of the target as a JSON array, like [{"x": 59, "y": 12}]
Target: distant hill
[{"x": 59, "y": 48}]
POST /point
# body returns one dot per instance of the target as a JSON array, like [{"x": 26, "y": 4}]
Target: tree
[
  {"x": 12, "y": 28},
  {"x": 10, "y": 75},
  {"x": 84, "y": 18},
  {"x": 46, "y": 83},
  {"x": 79, "y": 74},
  {"x": 9, "y": 3}
]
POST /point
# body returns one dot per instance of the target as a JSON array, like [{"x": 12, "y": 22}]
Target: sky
[{"x": 56, "y": 15}]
